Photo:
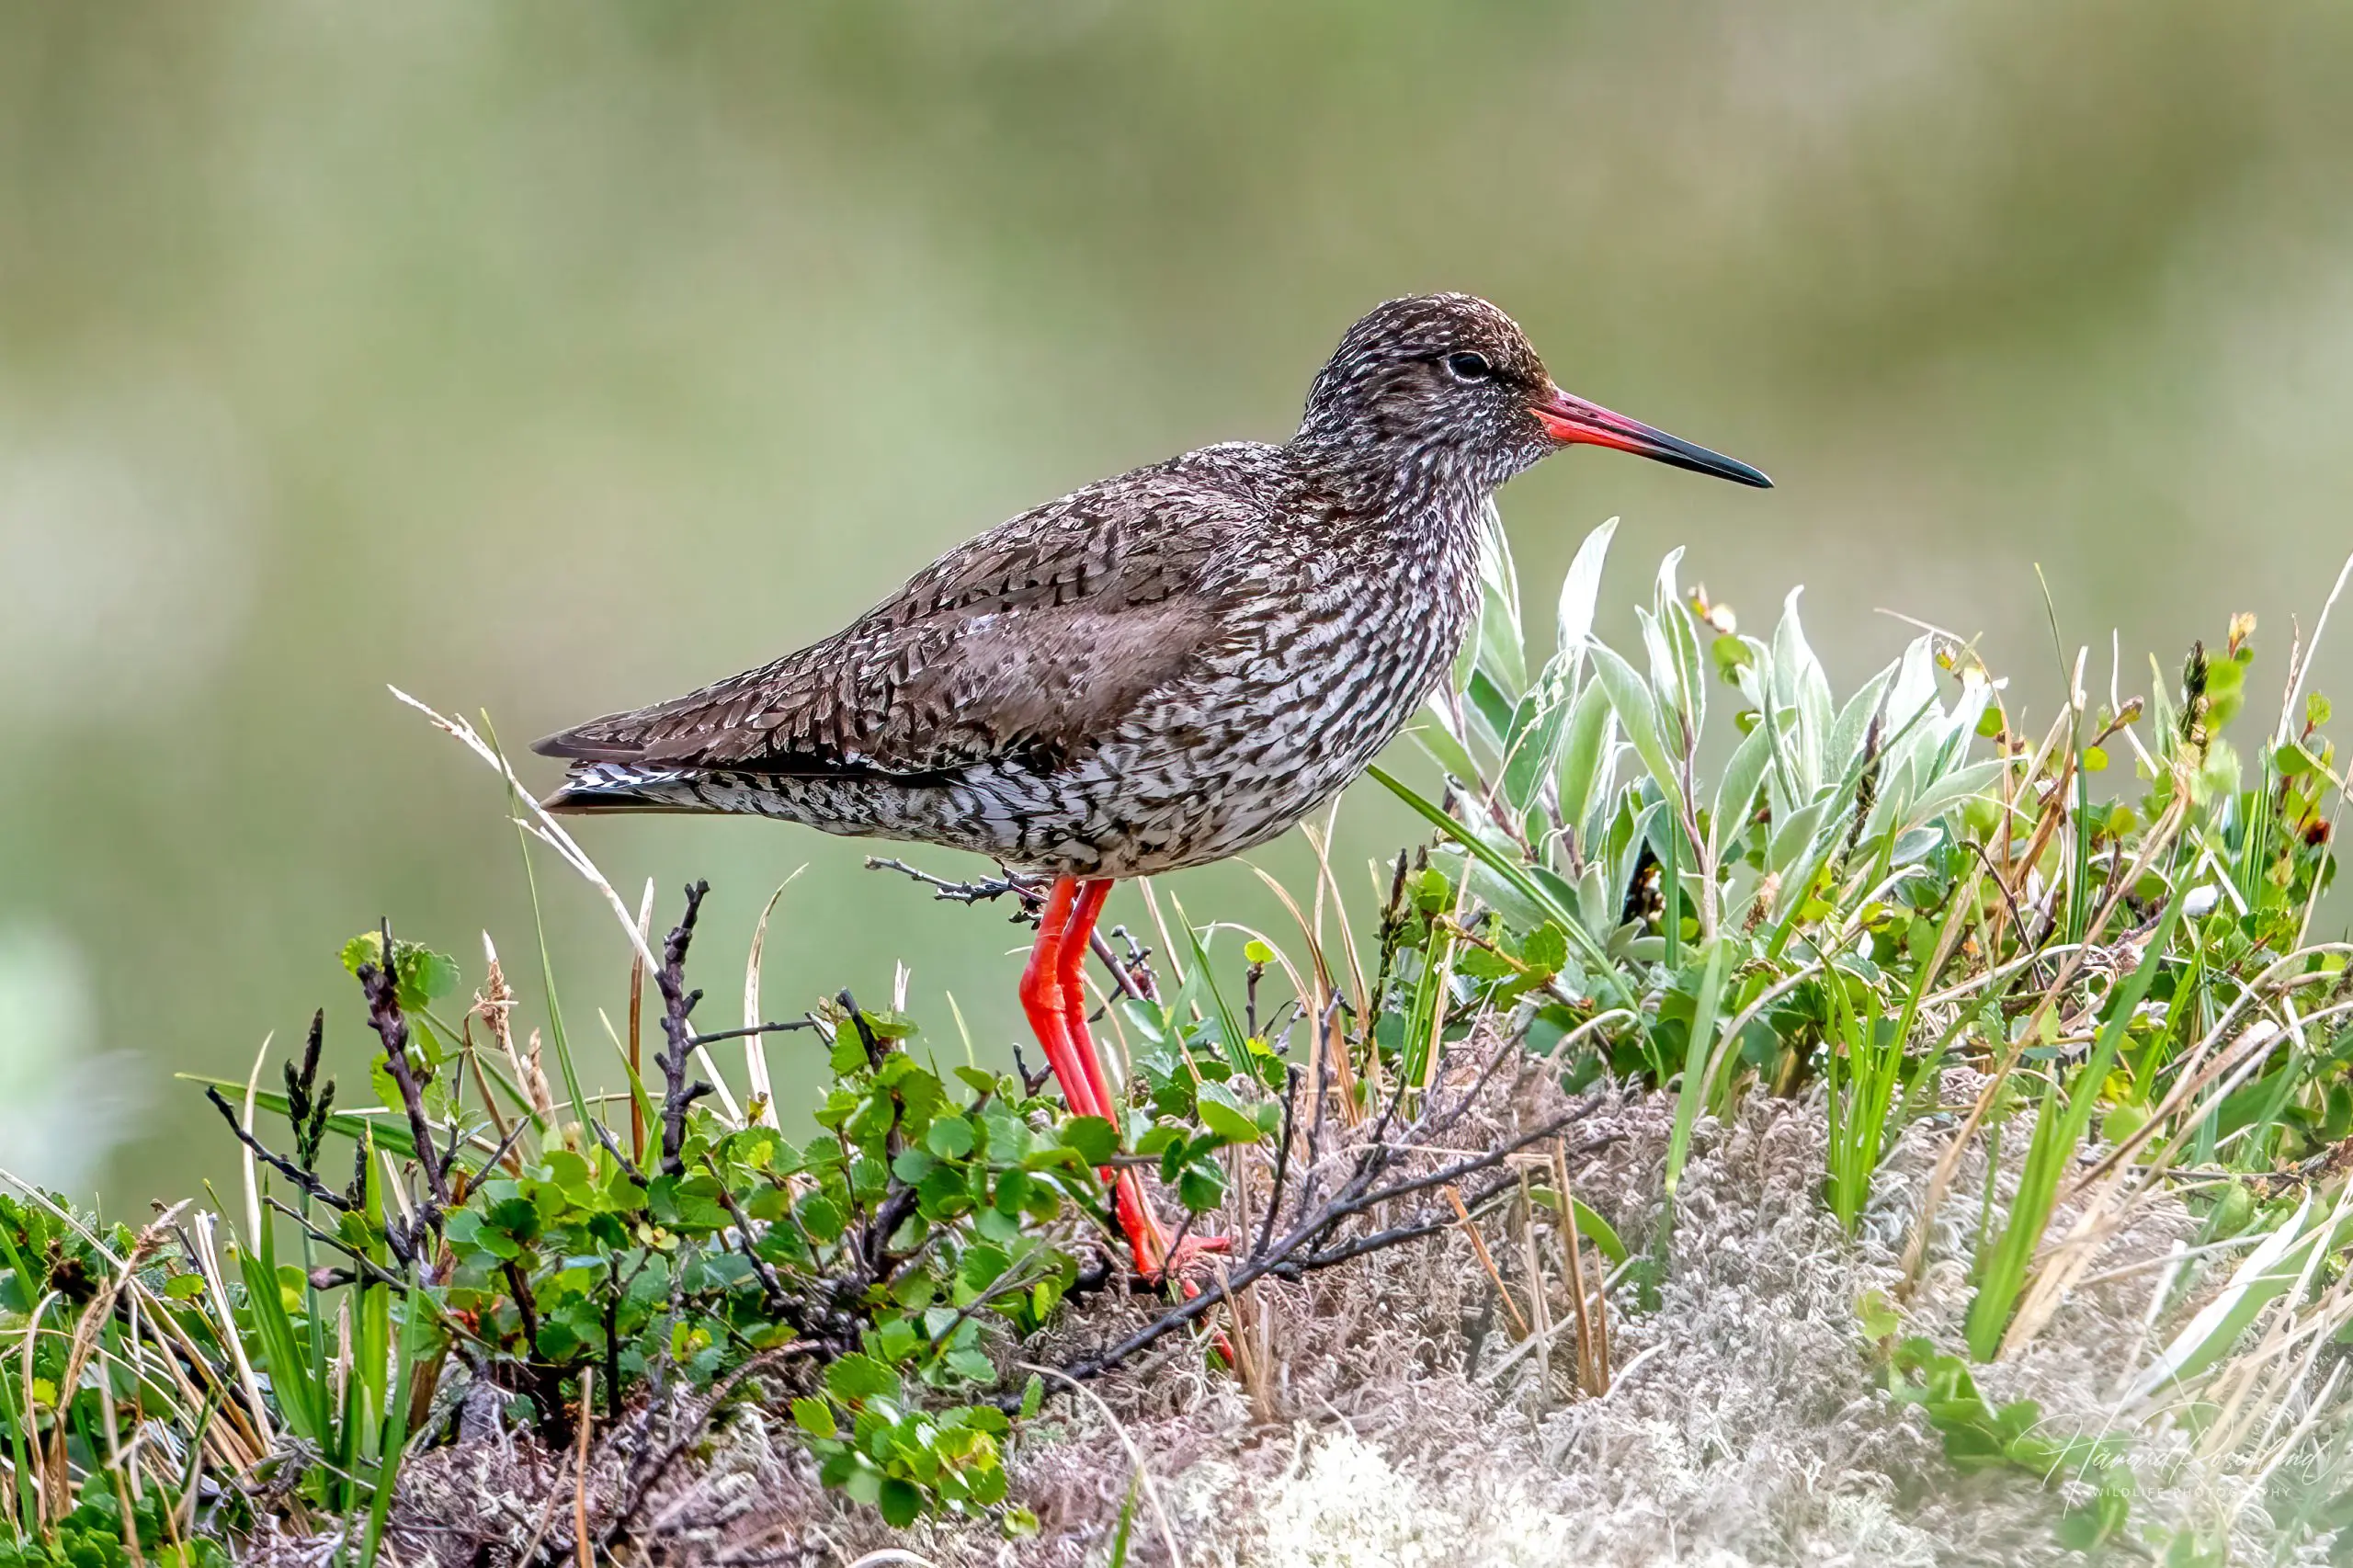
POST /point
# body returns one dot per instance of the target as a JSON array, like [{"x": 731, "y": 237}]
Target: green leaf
[
  {"x": 1693, "y": 1086},
  {"x": 950, "y": 1137},
  {"x": 1094, "y": 1139},
  {"x": 1200, "y": 1187},
  {"x": 1638, "y": 715},
  {"x": 1224, "y": 1115},
  {"x": 1580, "y": 590},
  {"x": 971, "y": 1364},
  {"x": 1231, "y": 1034},
  {"x": 1546, "y": 948},
  {"x": 1583, "y": 753},
  {"x": 425, "y": 975},
  {"x": 983, "y": 1267},
  {"x": 900, "y": 1502},
  {"x": 1597, "y": 1230},
  {"x": 1514, "y": 873},
  {"x": 856, "y": 1378},
  {"x": 1737, "y": 791},
  {"x": 2059, "y": 1123},
  {"x": 815, "y": 1416},
  {"x": 821, "y": 1218}
]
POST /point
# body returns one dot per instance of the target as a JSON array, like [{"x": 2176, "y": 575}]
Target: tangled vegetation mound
[{"x": 1886, "y": 1145}]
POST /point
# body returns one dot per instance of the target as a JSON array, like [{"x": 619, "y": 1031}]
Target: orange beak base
[{"x": 1572, "y": 421}]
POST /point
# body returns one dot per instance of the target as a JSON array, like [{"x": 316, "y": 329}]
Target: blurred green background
[{"x": 551, "y": 359}]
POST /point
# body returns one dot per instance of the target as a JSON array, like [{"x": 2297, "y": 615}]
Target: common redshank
[{"x": 1157, "y": 671}]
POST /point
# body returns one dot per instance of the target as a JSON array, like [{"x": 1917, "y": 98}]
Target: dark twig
[
  {"x": 367, "y": 1268},
  {"x": 612, "y": 1146},
  {"x": 718, "y": 1035},
  {"x": 1120, "y": 976},
  {"x": 1296, "y": 1252},
  {"x": 379, "y": 982},
  {"x": 978, "y": 892},
  {"x": 1507, "y": 1048},
  {"x": 1462, "y": 1168},
  {"x": 311, "y": 1186},
  {"x": 899, "y": 1201},
  {"x": 770, "y": 1285},
  {"x": 505, "y": 1147},
  {"x": 1430, "y": 1223},
  {"x": 1135, "y": 969},
  {"x": 1282, "y": 1164},
  {"x": 877, "y": 1048},
  {"x": 526, "y": 1306},
  {"x": 677, "y": 1002}
]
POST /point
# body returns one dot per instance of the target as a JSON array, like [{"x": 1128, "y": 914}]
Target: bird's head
[{"x": 1435, "y": 385}]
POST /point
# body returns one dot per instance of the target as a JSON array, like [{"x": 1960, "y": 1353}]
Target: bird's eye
[{"x": 1468, "y": 366}]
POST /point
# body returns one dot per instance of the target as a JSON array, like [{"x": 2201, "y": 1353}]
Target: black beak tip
[{"x": 1724, "y": 467}]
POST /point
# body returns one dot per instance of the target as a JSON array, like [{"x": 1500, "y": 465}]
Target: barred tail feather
[{"x": 599, "y": 787}]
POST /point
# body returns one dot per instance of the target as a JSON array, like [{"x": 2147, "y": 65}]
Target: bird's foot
[
  {"x": 1158, "y": 1259},
  {"x": 1185, "y": 1262}
]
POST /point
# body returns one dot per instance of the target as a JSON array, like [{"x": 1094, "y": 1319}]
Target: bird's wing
[{"x": 1027, "y": 642}]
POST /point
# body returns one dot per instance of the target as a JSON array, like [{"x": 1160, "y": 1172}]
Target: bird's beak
[{"x": 1573, "y": 421}]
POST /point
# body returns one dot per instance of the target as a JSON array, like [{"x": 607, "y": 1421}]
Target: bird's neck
[
  {"x": 1420, "y": 526},
  {"x": 1432, "y": 483}
]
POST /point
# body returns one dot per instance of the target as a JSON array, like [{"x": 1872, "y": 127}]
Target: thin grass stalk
[
  {"x": 1538, "y": 1306},
  {"x": 637, "y": 1023},
  {"x": 1486, "y": 1260},
  {"x": 1328, "y": 882},
  {"x": 30, "y": 1467},
  {"x": 583, "y": 1549},
  {"x": 1593, "y": 1373},
  {"x": 19, "y": 1498},
  {"x": 756, "y": 1051}
]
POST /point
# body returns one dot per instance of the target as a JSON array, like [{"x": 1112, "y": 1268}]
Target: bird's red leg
[
  {"x": 1078, "y": 936},
  {"x": 1136, "y": 1218},
  {"x": 1041, "y": 999}
]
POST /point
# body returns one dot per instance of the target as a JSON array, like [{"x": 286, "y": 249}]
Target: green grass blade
[
  {"x": 1230, "y": 1029},
  {"x": 300, "y": 1402},
  {"x": 1599, "y": 1231},
  {"x": 395, "y": 1429},
  {"x": 1603, "y": 972},
  {"x": 2059, "y": 1125},
  {"x": 1693, "y": 1087}
]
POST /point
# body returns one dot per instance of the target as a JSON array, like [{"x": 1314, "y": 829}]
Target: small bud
[{"x": 1717, "y": 615}]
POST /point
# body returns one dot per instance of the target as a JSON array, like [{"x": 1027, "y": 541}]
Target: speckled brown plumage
[{"x": 1163, "y": 668}]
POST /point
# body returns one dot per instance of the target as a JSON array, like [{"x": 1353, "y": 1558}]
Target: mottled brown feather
[{"x": 1023, "y": 642}]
